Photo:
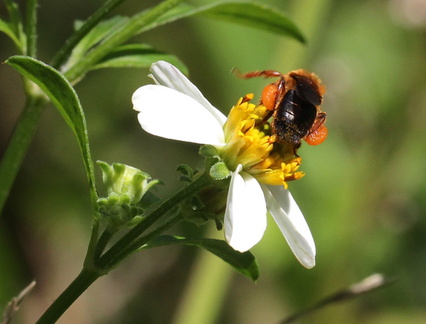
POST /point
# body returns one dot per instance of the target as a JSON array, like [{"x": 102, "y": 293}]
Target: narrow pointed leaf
[
  {"x": 16, "y": 24},
  {"x": 245, "y": 263},
  {"x": 9, "y": 31},
  {"x": 98, "y": 32},
  {"x": 84, "y": 28},
  {"x": 133, "y": 26},
  {"x": 63, "y": 96},
  {"x": 257, "y": 16},
  {"x": 137, "y": 56},
  {"x": 252, "y": 14},
  {"x": 94, "y": 37}
]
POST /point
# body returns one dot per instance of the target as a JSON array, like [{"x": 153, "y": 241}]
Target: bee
[{"x": 295, "y": 104}]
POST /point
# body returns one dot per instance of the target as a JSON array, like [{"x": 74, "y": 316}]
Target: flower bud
[{"x": 125, "y": 187}]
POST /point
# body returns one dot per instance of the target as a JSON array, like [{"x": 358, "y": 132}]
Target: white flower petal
[
  {"x": 292, "y": 224},
  {"x": 245, "y": 215},
  {"x": 171, "y": 114},
  {"x": 168, "y": 75}
]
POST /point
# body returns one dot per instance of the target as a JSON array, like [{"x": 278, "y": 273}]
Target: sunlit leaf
[
  {"x": 63, "y": 96},
  {"x": 245, "y": 263},
  {"x": 251, "y": 14},
  {"x": 138, "y": 56}
]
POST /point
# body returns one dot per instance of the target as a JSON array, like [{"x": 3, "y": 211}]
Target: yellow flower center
[{"x": 249, "y": 142}]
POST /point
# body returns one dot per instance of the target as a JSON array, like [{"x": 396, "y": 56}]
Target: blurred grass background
[{"x": 363, "y": 195}]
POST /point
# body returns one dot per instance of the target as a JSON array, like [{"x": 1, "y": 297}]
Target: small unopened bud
[
  {"x": 125, "y": 187},
  {"x": 127, "y": 183}
]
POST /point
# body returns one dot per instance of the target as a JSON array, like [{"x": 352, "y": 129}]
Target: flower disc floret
[{"x": 250, "y": 143}]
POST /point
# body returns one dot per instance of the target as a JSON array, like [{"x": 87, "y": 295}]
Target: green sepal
[
  {"x": 208, "y": 151},
  {"x": 186, "y": 170},
  {"x": 219, "y": 171},
  {"x": 118, "y": 214},
  {"x": 245, "y": 262}
]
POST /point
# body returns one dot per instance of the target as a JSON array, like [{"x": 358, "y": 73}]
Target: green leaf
[
  {"x": 9, "y": 31},
  {"x": 65, "y": 99},
  {"x": 117, "y": 37},
  {"x": 139, "y": 56},
  {"x": 251, "y": 14},
  {"x": 245, "y": 263},
  {"x": 94, "y": 37},
  {"x": 14, "y": 28},
  {"x": 257, "y": 16},
  {"x": 83, "y": 29},
  {"x": 99, "y": 32}
]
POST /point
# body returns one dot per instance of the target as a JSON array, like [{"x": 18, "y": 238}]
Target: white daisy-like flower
[{"x": 174, "y": 108}]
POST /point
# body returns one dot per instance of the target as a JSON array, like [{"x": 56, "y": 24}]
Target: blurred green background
[{"x": 363, "y": 195}]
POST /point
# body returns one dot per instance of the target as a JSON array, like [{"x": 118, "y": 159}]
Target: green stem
[
  {"x": 62, "y": 55},
  {"x": 129, "y": 243},
  {"x": 67, "y": 298},
  {"x": 91, "y": 249},
  {"x": 28, "y": 122},
  {"x": 130, "y": 29},
  {"x": 31, "y": 27},
  {"x": 174, "y": 219},
  {"x": 102, "y": 243},
  {"x": 18, "y": 145}
]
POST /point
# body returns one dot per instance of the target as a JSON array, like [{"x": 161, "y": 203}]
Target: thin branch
[
  {"x": 14, "y": 304},
  {"x": 31, "y": 27},
  {"x": 364, "y": 286}
]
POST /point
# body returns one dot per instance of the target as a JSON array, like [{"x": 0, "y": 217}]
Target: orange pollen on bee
[
  {"x": 317, "y": 136},
  {"x": 269, "y": 96}
]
